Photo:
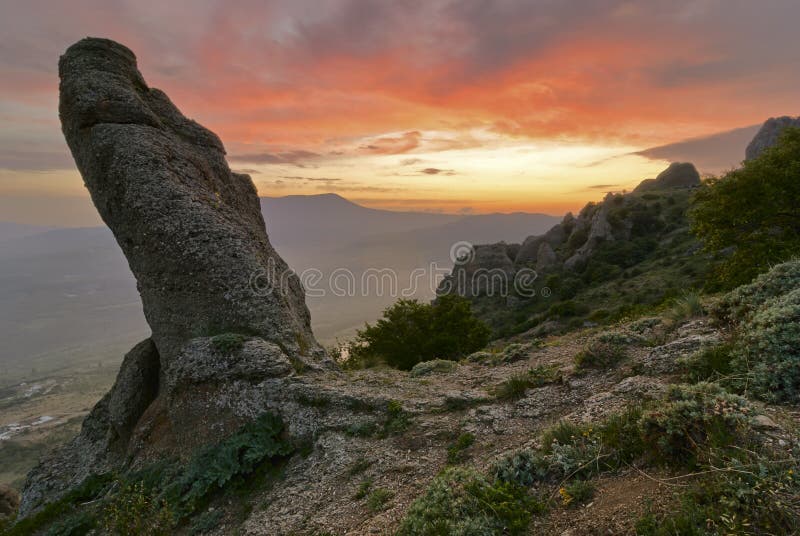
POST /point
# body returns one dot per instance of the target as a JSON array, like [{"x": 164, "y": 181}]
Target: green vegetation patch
[
  {"x": 462, "y": 501},
  {"x": 164, "y": 496}
]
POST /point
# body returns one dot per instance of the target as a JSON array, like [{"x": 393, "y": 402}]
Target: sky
[{"x": 468, "y": 106}]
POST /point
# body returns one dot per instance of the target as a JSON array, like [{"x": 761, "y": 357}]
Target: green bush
[
  {"x": 767, "y": 355},
  {"x": 751, "y": 493},
  {"x": 708, "y": 364},
  {"x": 429, "y": 367},
  {"x": 600, "y": 354},
  {"x": 134, "y": 510},
  {"x": 397, "y": 420},
  {"x": 513, "y": 388},
  {"x": 692, "y": 420},
  {"x": 214, "y": 466},
  {"x": 754, "y": 209},
  {"x": 741, "y": 302},
  {"x": 577, "y": 492},
  {"x": 456, "y": 452},
  {"x": 688, "y": 306},
  {"x": 462, "y": 501},
  {"x": 523, "y": 468},
  {"x": 411, "y": 332},
  {"x": 227, "y": 343},
  {"x": 378, "y": 498}
]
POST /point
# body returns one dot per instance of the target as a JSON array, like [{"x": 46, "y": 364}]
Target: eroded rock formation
[
  {"x": 191, "y": 229},
  {"x": 194, "y": 237},
  {"x": 768, "y": 135}
]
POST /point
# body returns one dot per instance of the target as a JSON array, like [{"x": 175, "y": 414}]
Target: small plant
[
  {"x": 228, "y": 343},
  {"x": 455, "y": 452},
  {"x": 576, "y": 492},
  {"x": 360, "y": 465},
  {"x": 363, "y": 489},
  {"x": 462, "y": 501},
  {"x": 514, "y": 388},
  {"x": 543, "y": 375},
  {"x": 523, "y": 468},
  {"x": 428, "y": 367},
  {"x": 708, "y": 364},
  {"x": 599, "y": 354},
  {"x": 378, "y": 498},
  {"x": 686, "y": 307},
  {"x": 397, "y": 419},
  {"x": 741, "y": 302},
  {"x": 694, "y": 419},
  {"x": 767, "y": 353},
  {"x": 135, "y": 511}
]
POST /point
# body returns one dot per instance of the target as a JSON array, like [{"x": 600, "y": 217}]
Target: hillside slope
[{"x": 629, "y": 252}]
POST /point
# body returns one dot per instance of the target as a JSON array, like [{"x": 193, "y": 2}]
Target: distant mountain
[
  {"x": 327, "y": 218},
  {"x": 67, "y": 295},
  {"x": 625, "y": 252},
  {"x": 9, "y": 230}
]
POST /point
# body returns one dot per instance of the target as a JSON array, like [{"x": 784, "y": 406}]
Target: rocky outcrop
[
  {"x": 677, "y": 175},
  {"x": 769, "y": 134},
  {"x": 192, "y": 230},
  {"x": 570, "y": 244},
  {"x": 230, "y": 328}
]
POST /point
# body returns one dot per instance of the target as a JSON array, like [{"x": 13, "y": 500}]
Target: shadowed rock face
[
  {"x": 769, "y": 134},
  {"x": 191, "y": 229}
]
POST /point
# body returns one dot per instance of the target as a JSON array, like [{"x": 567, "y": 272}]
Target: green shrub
[
  {"x": 455, "y": 452},
  {"x": 215, "y": 466},
  {"x": 577, "y": 492},
  {"x": 227, "y": 343},
  {"x": 513, "y": 388},
  {"x": 599, "y": 354},
  {"x": 363, "y": 489},
  {"x": 397, "y": 419},
  {"x": 741, "y": 302},
  {"x": 619, "y": 338},
  {"x": 767, "y": 355},
  {"x": 688, "y": 306},
  {"x": 754, "y": 209},
  {"x": 134, "y": 510},
  {"x": 462, "y": 501},
  {"x": 692, "y": 420},
  {"x": 543, "y": 375},
  {"x": 378, "y": 498},
  {"x": 753, "y": 493},
  {"x": 523, "y": 468},
  {"x": 436, "y": 365},
  {"x": 411, "y": 332},
  {"x": 711, "y": 363}
]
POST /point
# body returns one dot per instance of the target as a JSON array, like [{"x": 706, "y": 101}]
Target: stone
[
  {"x": 769, "y": 134},
  {"x": 765, "y": 423},
  {"x": 546, "y": 258},
  {"x": 196, "y": 242},
  {"x": 677, "y": 175},
  {"x": 191, "y": 229}
]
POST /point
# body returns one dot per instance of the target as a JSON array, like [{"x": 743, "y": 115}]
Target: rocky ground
[{"x": 317, "y": 492}]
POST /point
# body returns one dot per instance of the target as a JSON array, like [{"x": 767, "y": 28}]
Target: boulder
[
  {"x": 768, "y": 135},
  {"x": 191, "y": 229},
  {"x": 230, "y": 328},
  {"x": 677, "y": 175}
]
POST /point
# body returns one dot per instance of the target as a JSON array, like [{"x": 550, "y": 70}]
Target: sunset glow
[{"x": 456, "y": 106}]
